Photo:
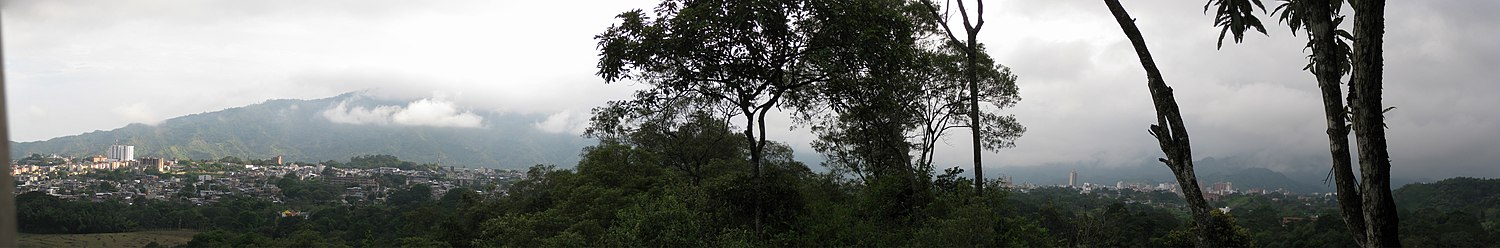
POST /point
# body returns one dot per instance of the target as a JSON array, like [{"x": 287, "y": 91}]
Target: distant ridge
[{"x": 300, "y": 131}]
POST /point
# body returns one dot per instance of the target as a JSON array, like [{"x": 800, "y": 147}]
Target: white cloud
[
  {"x": 437, "y": 113},
  {"x": 425, "y": 112},
  {"x": 567, "y": 121}
]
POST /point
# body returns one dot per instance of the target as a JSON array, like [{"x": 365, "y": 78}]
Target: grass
[{"x": 168, "y": 238}]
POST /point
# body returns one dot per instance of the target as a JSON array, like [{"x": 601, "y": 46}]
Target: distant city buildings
[
  {"x": 163, "y": 179},
  {"x": 1223, "y": 188}
]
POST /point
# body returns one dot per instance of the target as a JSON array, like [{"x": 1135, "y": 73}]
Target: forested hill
[
  {"x": 1472, "y": 195},
  {"x": 301, "y": 131}
]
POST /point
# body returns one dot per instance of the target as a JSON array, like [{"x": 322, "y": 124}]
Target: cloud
[
  {"x": 425, "y": 112},
  {"x": 568, "y": 121},
  {"x": 429, "y": 112}
]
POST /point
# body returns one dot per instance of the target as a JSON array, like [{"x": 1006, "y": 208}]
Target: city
[{"x": 120, "y": 176}]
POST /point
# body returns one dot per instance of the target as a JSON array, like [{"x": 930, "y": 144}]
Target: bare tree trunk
[
  {"x": 1169, "y": 130},
  {"x": 755, "y": 161},
  {"x": 1328, "y": 70},
  {"x": 1369, "y": 124},
  {"x": 971, "y": 54},
  {"x": 974, "y": 127}
]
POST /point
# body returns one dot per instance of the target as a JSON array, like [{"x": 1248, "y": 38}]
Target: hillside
[
  {"x": 300, "y": 130},
  {"x": 1472, "y": 195}
]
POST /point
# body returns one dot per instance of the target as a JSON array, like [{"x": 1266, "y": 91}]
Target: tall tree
[
  {"x": 1368, "y": 210},
  {"x": 1329, "y": 61},
  {"x": 943, "y": 102},
  {"x": 751, "y": 57},
  {"x": 862, "y": 113},
  {"x": 744, "y": 55},
  {"x": 1169, "y": 130},
  {"x": 1369, "y": 123},
  {"x": 970, "y": 48}
]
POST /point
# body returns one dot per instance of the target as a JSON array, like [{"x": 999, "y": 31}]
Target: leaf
[{"x": 1236, "y": 16}]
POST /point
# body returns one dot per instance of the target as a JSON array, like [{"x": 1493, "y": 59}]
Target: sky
[{"x": 79, "y": 66}]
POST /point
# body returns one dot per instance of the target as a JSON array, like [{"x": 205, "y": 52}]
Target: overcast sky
[{"x": 79, "y": 66}]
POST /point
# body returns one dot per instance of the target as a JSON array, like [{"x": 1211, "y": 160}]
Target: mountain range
[
  {"x": 336, "y": 128},
  {"x": 353, "y": 124}
]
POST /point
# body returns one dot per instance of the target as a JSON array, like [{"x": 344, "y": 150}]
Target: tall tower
[
  {"x": 121, "y": 153},
  {"x": 1073, "y": 178}
]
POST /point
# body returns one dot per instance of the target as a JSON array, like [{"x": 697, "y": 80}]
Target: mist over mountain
[{"x": 337, "y": 128}]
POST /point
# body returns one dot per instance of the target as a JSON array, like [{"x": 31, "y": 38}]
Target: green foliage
[
  {"x": 1224, "y": 228},
  {"x": 299, "y": 192},
  {"x": 38, "y": 212},
  {"x": 39, "y": 160},
  {"x": 1455, "y": 212},
  {"x": 380, "y": 160}
]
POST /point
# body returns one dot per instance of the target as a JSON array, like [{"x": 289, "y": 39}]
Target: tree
[
  {"x": 863, "y": 112},
  {"x": 688, "y": 148},
  {"x": 744, "y": 55},
  {"x": 943, "y": 101},
  {"x": 1369, "y": 211},
  {"x": 739, "y": 57},
  {"x": 1169, "y": 131},
  {"x": 971, "y": 54},
  {"x": 1369, "y": 123}
]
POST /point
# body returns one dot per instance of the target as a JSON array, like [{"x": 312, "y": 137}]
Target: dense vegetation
[
  {"x": 647, "y": 191},
  {"x": 380, "y": 160},
  {"x": 38, "y": 159}
]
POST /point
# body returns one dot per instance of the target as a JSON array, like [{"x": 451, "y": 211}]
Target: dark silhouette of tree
[
  {"x": 1368, "y": 211},
  {"x": 943, "y": 103},
  {"x": 744, "y": 55},
  {"x": 1170, "y": 132},
  {"x": 970, "y": 48},
  {"x": 743, "y": 59},
  {"x": 863, "y": 112},
  {"x": 1369, "y": 123}
]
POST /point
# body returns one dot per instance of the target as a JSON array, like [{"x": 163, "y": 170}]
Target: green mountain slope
[
  {"x": 298, "y": 130},
  {"x": 1472, "y": 195}
]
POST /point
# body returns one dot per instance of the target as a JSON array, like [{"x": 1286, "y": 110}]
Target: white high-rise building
[
  {"x": 120, "y": 153},
  {"x": 1073, "y": 178}
]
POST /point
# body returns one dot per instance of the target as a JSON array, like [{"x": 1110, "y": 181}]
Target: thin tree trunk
[
  {"x": 1369, "y": 124},
  {"x": 1328, "y": 71},
  {"x": 971, "y": 52},
  {"x": 974, "y": 128},
  {"x": 755, "y": 157},
  {"x": 1169, "y": 130}
]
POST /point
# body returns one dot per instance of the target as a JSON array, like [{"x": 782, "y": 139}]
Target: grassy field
[{"x": 128, "y": 239}]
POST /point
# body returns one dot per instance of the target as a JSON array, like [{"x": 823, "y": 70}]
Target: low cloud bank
[{"x": 425, "y": 112}]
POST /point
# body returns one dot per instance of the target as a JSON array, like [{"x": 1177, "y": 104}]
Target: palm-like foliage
[
  {"x": 1294, "y": 13},
  {"x": 1236, "y": 16}
]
